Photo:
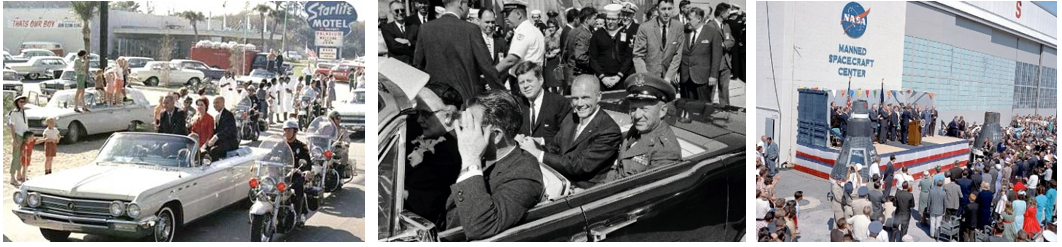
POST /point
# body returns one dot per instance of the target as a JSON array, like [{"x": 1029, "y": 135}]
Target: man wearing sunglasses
[{"x": 400, "y": 35}]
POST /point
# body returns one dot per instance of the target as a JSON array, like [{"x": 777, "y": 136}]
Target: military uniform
[{"x": 641, "y": 151}]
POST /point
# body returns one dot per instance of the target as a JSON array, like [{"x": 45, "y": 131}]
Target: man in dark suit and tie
[
  {"x": 452, "y": 51},
  {"x": 225, "y": 139},
  {"x": 894, "y": 122},
  {"x": 904, "y": 202},
  {"x": 721, "y": 60},
  {"x": 698, "y": 73},
  {"x": 172, "y": 120},
  {"x": 542, "y": 111},
  {"x": 399, "y": 35},
  {"x": 572, "y": 17},
  {"x": 588, "y": 141},
  {"x": 498, "y": 181},
  {"x": 422, "y": 14},
  {"x": 905, "y": 119},
  {"x": 495, "y": 44},
  {"x": 654, "y": 53}
]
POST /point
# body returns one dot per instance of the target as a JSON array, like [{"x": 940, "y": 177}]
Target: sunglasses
[{"x": 400, "y": 11}]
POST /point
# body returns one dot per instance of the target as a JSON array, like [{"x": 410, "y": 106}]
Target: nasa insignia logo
[{"x": 854, "y": 19}]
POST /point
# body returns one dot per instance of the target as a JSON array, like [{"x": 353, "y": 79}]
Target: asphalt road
[{"x": 340, "y": 219}]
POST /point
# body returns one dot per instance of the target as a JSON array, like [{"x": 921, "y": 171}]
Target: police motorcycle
[
  {"x": 310, "y": 108},
  {"x": 249, "y": 123},
  {"x": 273, "y": 210},
  {"x": 329, "y": 172}
]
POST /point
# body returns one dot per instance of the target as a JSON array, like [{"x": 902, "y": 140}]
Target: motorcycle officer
[{"x": 302, "y": 165}]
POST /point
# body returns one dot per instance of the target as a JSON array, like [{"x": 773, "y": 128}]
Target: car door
[{"x": 211, "y": 181}]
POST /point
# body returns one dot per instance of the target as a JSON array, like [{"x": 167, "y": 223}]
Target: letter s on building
[{"x": 1018, "y": 13}]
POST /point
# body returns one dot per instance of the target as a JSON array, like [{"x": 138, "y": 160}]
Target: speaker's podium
[{"x": 914, "y": 133}]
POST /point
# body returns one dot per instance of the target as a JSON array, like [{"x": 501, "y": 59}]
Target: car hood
[
  {"x": 12, "y": 82},
  {"x": 345, "y": 109},
  {"x": 111, "y": 181},
  {"x": 45, "y": 112}
]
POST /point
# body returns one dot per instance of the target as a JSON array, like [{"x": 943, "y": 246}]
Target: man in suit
[
  {"x": 772, "y": 156},
  {"x": 433, "y": 155},
  {"x": 399, "y": 35},
  {"x": 650, "y": 142},
  {"x": 894, "y": 122},
  {"x": 225, "y": 139},
  {"x": 571, "y": 16},
  {"x": 172, "y": 120},
  {"x": 588, "y": 141},
  {"x": 721, "y": 61},
  {"x": 498, "y": 181},
  {"x": 422, "y": 14},
  {"x": 542, "y": 111},
  {"x": 927, "y": 118},
  {"x": 698, "y": 74},
  {"x": 905, "y": 119},
  {"x": 495, "y": 44},
  {"x": 883, "y": 123},
  {"x": 657, "y": 44},
  {"x": 933, "y": 124},
  {"x": 904, "y": 202},
  {"x": 888, "y": 174},
  {"x": 610, "y": 52},
  {"x": 577, "y": 53},
  {"x": 452, "y": 51},
  {"x": 873, "y": 114},
  {"x": 953, "y": 127},
  {"x": 684, "y": 15}
]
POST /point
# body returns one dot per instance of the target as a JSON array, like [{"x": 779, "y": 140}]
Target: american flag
[{"x": 309, "y": 52}]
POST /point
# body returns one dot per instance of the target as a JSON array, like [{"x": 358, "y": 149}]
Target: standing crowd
[
  {"x": 503, "y": 99},
  {"x": 1008, "y": 194}
]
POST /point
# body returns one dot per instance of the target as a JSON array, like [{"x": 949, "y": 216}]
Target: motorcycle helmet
[
  {"x": 333, "y": 114},
  {"x": 291, "y": 124}
]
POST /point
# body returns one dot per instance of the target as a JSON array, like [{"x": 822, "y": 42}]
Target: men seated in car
[
  {"x": 542, "y": 111},
  {"x": 172, "y": 120},
  {"x": 225, "y": 139},
  {"x": 588, "y": 140},
  {"x": 499, "y": 182},
  {"x": 650, "y": 141},
  {"x": 433, "y": 159}
]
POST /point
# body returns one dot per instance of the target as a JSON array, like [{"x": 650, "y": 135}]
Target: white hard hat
[{"x": 291, "y": 124}]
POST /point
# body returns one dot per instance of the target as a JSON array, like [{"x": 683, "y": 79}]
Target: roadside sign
[
  {"x": 328, "y": 53},
  {"x": 331, "y": 16},
  {"x": 328, "y": 38}
]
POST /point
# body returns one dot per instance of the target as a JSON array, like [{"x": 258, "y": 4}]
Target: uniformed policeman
[
  {"x": 650, "y": 141},
  {"x": 528, "y": 43}
]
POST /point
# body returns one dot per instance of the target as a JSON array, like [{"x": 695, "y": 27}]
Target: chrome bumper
[{"x": 110, "y": 227}]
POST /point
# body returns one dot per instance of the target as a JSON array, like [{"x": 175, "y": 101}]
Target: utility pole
[
  {"x": 284, "y": 35},
  {"x": 104, "y": 8}
]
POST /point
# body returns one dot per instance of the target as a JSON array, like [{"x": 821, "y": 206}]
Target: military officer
[{"x": 650, "y": 141}]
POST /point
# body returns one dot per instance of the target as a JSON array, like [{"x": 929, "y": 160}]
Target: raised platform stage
[{"x": 935, "y": 150}]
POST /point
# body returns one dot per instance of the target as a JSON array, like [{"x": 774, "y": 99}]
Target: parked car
[
  {"x": 343, "y": 72},
  {"x": 69, "y": 58},
  {"x": 292, "y": 55},
  {"x": 261, "y": 61},
  {"x": 323, "y": 68},
  {"x": 212, "y": 73},
  {"x": 10, "y": 59},
  {"x": 12, "y": 82},
  {"x": 352, "y": 113},
  {"x": 37, "y": 67},
  {"x": 165, "y": 73},
  {"x": 31, "y": 53},
  {"x": 66, "y": 81},
  {"x": 139, "y": 185},
  {"x": 137, "y": 62},
  {"x": 256, "y": 77},
  {"x": 54, "y": 47},
  {"x": 702, "y": 195},
  {"x": 101, "y": 118}
]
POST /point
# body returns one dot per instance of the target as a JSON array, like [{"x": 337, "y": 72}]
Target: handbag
[{"x": 560, "y": 73}]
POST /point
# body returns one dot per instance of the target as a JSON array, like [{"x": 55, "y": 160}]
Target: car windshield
[
  {"x": 148, "y": 149},
  {"x": 359, "y": 97},
  {"x": 278, "y": 160},
  {"x": 10, "y": 76},
  {"x": 66, "y": 99}
]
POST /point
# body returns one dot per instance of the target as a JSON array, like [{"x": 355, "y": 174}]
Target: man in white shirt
[{"x": 528, "y": 43}]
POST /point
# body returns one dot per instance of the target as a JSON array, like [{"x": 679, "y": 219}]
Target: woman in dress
[
  {"x": 203, "y": 125},
  {"x": 553, "y": 49}
]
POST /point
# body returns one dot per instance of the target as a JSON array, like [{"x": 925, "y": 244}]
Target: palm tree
[
  {"x": 194, "y": 17},
  {"x": 85, "y": 11},
  {"x": 262, "y": 9},
  {"x": 276, "y": 14},
  {"x": 130, "y": 6}
]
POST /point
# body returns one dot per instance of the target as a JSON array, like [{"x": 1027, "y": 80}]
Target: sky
[
  {"x": 1051, "y": 6},
  {"x": 218, "y": 7}
]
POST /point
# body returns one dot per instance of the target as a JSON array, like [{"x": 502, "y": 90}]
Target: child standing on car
[{"x": 51, "y": 144}]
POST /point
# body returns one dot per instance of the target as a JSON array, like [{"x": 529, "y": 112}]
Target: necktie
[
  {"x": 401, "y": 28},
  {"x": 693, "y": 38},
  {"x": 532, "y": 115},
  {"x": 490, "y": 47},
  {"x": 663, "y": 37}
]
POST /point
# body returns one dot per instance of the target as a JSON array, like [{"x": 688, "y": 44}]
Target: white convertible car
[
  {"x": 140, "y": 185},
  {"x": 101, "y": 118}
]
